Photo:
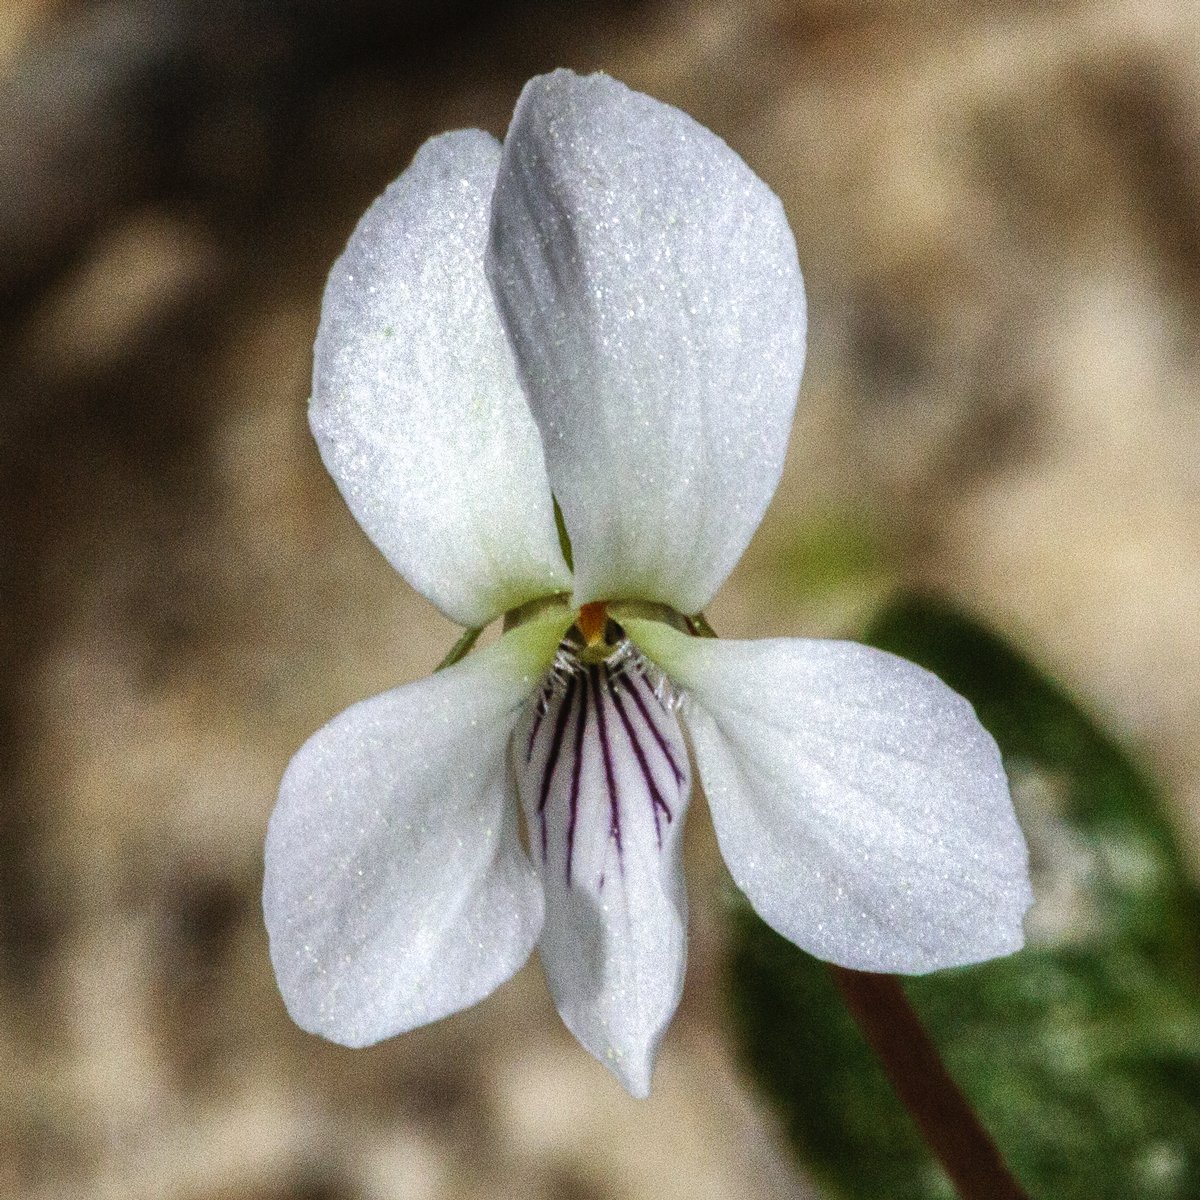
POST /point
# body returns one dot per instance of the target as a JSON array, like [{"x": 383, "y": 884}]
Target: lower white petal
[
  {"x": 858, "y": 802},
  {"x": 396, "y": 889},
  {"x": 603, "y": 775}
]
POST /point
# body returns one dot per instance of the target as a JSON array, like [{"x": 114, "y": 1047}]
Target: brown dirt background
[{"x": 998, "y": 212}]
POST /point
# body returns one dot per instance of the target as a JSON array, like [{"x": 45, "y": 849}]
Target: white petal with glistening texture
[
  {"x": 416, "y": 405},
  {"x": 857, "y": 800},
  {"x": 648, "y": 280},
  {"x": 396, "y": 888},
  {"x": 603, "y": 777}
]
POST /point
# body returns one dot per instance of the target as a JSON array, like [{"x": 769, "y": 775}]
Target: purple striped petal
[{"x": 603, "y": 776}]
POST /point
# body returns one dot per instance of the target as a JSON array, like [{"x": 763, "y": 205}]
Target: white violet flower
[{"x": 606, "y": 311}]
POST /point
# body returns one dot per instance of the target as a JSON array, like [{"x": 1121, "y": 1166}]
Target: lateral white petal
[
  {"x": 396, "y": 889},
  {"x": 603, "y": 777},
  {"x": 649, "y": 283},
  {"x": 416, "y": 405},
  {"x": 857, "y": 800}
]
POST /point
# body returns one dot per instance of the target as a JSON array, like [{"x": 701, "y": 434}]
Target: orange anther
[{"x": 592, "y": 620}]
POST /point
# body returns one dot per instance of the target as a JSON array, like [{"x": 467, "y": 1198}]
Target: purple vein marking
[
  {"x": 543, "y": 705},
  {"x": 560, "y": 727},
  {"x": 614, "y": 807},
  {"x": 631, "y": 686},
  {"x": 657, "y": 804},
  {"x": 576, "y": 771}
]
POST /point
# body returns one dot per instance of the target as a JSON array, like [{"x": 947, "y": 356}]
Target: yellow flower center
[{"x": 592, "y": 620}]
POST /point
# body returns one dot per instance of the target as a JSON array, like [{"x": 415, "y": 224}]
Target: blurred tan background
[{"x": 998, "y": 212}]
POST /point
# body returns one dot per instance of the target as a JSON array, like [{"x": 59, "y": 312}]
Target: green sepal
[{"x": 460, "y": 649}]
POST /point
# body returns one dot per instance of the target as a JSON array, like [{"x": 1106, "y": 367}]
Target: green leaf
[{"x": 1081, "y": 1053}]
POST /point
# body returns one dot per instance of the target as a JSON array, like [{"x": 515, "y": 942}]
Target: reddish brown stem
[{"x": 946, "y": 1120}]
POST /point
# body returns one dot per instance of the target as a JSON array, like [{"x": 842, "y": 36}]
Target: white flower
[{"x": 608, "y": 310}]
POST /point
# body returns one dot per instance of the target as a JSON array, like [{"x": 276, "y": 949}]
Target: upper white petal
[
  {"x": 603, "y": 776},
  {"x": 858, "y": 802},
  {"x": 649, "y": 283},
  {"x": 416, "y": 405},
  {"x": 396, "y": 889}
]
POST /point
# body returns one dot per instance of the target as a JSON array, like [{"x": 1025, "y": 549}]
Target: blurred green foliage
[
  {"x": 1081, "y": 1053},
  {"x": 827, "y": 554}
]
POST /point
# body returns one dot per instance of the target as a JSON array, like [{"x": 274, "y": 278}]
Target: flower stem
[{"x": 945, "y": 1118}]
